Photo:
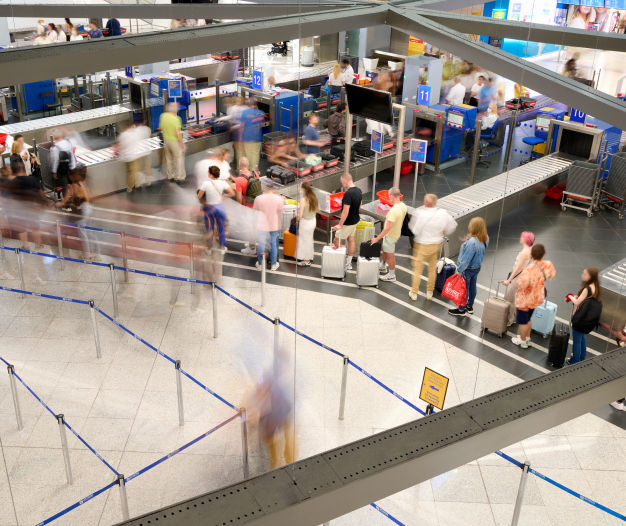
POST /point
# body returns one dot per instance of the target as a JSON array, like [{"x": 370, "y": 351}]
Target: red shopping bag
[{"x": 455, "y": 289}]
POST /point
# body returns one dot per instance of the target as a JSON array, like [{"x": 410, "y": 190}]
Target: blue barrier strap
[
  {"x": 157, "y": 240},
  {"x": 182, "y": 448},
  {"x": 91, "y": 228},
  {"x": 311, "y": 339},
  {"x": 413, "y": 406},
  {"x": 8, "y": 248},
  {"x": 390, "y": 517},
  {"x": 135, "y": 336},
  {"x": 162, "y": 275},
  {"x": 79, "y": 503},
  {"x": 89, "y": 447},
  {"x": 510, "y": 459},
  {"x": 245, "y": 305},
  {"x": 54, "y": 256},
  {"x": 7, "y": 363},
  {"x": 207, "y": 389},
  {"x": 578, "y": 495},
  {"x": 45, "y": 296},
  {"x": 33, "y": 393}
]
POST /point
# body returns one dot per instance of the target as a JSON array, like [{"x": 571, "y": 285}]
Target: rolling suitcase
[
  {"x": 557, "y": 350},
  {"x": 543, "y": 318},
  {"x": 448, "y": 268},
  {"x": 367, "y": 250},
  {"x": 495, "y": 314},
  {"x": 364, "y": 232},
  {"x": 367, "y": 272},
  {"x": 334, "y": 262},
  {"x": 289, "y": 244}
]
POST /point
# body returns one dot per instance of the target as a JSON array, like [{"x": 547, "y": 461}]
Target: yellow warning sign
[{"x": 434, "y": 388}]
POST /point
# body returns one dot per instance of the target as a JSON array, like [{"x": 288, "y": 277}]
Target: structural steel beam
[
  {"x": 22, "y": 65},
  {"x": 601, "y": 105},
  {"x": 561, "y": 36},
  {"x": 344, "y": 479},
  {"x": 165, "y": 11}
]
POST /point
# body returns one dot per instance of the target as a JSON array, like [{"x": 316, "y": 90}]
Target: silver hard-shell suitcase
[
  {"x": 334, "y": 262},
  {"x": 495, "y": 314},
  {"x": 367, "y": 272}
]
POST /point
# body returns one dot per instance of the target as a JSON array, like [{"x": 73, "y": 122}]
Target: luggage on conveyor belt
[
  {"x": 329, "y": 160},
  {"x": 520, "y": 103},
  {"x": 301, "y": 169},
  {"x": 284, "y": 175},
  {"x": 199, "y": 131},
  {"x": 363, "y": 148},
  {"x": 216, "y": 125},
  {"x": 339, "y": 151},
  {"x": 309, "y": 105}
]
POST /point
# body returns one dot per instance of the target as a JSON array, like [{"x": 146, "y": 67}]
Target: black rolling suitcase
[
  {"x": 557, "y": 350},
  {"x": 369, "y": 251}
]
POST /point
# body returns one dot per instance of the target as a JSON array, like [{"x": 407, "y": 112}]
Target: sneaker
[
  {"x": 275, "y": 267},
  {"x": 617, "y": 405},
  {"x": 248, "y": 250},
  {"x": 258, "y": 265},
  {"x": 382, "y": 270},
  {"x": 518, "y": 341},
  {"x": 456, "y": 312},
  {"x": 387, "y": 277},
  {"x": 429, "y": 295},
  {"x": 207, "y": 251},
  {"x": 469, "y": 311},
  {"x": 413, "y": 296},
  {"x": 349, "y": 266},
  {"x": 568, "y": 362},
  {"x": 224, "y": 249}
]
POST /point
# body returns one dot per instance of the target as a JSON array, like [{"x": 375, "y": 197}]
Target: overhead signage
[
  {"x": 434, "y": 388},
  {"x": 418, "y": 151},
  {"x": 377, "y": 141}
]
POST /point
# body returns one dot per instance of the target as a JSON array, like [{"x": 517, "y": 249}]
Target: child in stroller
[{"x": 278, "y": 48}]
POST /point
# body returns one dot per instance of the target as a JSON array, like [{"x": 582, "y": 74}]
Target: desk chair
[
  {"x": 50, "y": 105},
  {"x": 488, "y": 135},
  {"x": 533, "y": 142}
]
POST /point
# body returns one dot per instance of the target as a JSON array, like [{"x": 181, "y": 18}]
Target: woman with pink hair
[{"x": 523, "y": 258}]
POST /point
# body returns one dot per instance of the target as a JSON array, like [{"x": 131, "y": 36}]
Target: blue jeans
[
  {"x": 273, "y": 239},
  {"x": 216, "y": 214},
  {"x": 470, "y": 276},
  {"x": 579, "y": 352}
]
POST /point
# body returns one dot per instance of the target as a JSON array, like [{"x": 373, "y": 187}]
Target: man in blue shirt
[
  {"x": 251, "y": 135},
  {"x": 311, "y": 136},
  {"x": 113, "y": 25},
  {"x": 486, "y": 95},
  {"x": 94, "y": 32}
]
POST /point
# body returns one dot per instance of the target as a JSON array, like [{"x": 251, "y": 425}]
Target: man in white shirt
[
  {"x": 429, "y": 225},
  {"x": 134, "y": 155},
  {"x": 347, "y": 71},
  {"x": 456, "y": 93},
  {"x": 61, "y": 166},
  {"x": 475, "y": 91},
  {"x": 385, "y": 129}
]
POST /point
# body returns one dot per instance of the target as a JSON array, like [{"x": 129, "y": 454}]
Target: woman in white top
[
  {"x": 210, "y": 195},
  {"x": 52, "y": 33},
  {"x": 75, "y": 35},
  {"x": 336, "y": 77},
  {"x": 41, "y": 39},
  {"x": 581, "y": 17},
  {"x": 61, "y": 36},
  {"x": 523, "y": 258}
]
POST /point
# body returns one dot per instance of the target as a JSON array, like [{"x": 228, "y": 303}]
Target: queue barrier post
[
  {"x": 179, "y": 391},
  {"x": 520, "y": 494},
  {"x": 214, "y": 294},
  {"x": 244, "y": 443},
  {"x": 66, "y": 450},
  {"x": 60, "y": 244},
  {"x": 123, "y": 497},
  {"x": 124, "y": 259},
  {"x": 276, "y": 340},
  {"x": 191, "y": 271},
  {"x": 96, "y": 334},
  {"x": 2, "y": 238},
  {"x": 430, "y": 409},
  {"x": 344, "y": 381},
  {"x": 20, "y": 270},
  {"x": 16, "y": 400},
  {"x": 263, "y": 271},
  {"x": 116, "y": 311}
]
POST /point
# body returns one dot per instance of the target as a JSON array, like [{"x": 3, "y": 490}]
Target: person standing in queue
[
  {"x": 271, "y": 206},
  {"x": 336, "y": 125},
  {"x": 350, "y": 217},
  {"x": 390, "y": 235},
  {"x": 306, "y": 229},
  {"x": 247, "y": 181},
  {"x": 251, "y": 133},
  {"x": 174, "y": 147},
  {"x": 590, "y": 289},
  {"x": 523, "y": 258},
  {"x": 211, "y": 193}
]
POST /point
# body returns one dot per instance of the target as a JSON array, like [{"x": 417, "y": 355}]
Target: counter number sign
[
  {"x": 577, "y": 116},
  {"x": 257, "y": 80},
  {"x": 423, "y": 95},
  {"x": 434, "y": 388},
  {"x": 377, "y": 141},
  {"x": 417, "y": 153},
  {"x": 130, "y": 72}
]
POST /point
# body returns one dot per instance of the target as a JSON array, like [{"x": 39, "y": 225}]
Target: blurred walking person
[
  {"x": 306, "y": 228},
  {"x": 248, "y": 188},
  {"x": 211, "y": 195},
  {"x": 523, "y": 258},
  {"x": 171, "y": 126},
  {"x": 135, "y": 158},
  {"x": 251, "y": 134},
  {"x": 271, "y": 206},
  {"x": 61, "y": 158}
]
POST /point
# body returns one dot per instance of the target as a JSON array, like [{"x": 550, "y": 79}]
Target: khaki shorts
[
  {"x": 347, "y": 231},
  {"x": 389, "y": 244}
]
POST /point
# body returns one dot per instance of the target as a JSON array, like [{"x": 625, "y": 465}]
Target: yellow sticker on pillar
[
  {"x": 434, "y": 388},
  {"x": 416, "y": 46}
]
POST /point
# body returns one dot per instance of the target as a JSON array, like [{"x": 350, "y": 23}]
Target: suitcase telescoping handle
[{"x": 445, "y": 248}]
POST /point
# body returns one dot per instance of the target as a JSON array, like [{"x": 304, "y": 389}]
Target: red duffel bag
[{"x": 455, "y": 289}]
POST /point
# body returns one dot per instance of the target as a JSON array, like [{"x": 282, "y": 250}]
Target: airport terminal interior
[{"x": 372, "y": 276}]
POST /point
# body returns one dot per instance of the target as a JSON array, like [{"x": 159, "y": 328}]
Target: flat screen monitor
[
  {"x": 315, "y": 90},
  {"x": 455, "y": 118},
  {"x": 370, "y": 103},
  {"x": 542, "y": 122}
]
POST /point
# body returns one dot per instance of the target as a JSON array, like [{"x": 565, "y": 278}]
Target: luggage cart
[
  {"x": 582, "y": 187},
  {"x": 613, "y": 190}
]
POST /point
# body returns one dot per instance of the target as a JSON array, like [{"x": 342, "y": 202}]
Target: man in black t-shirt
[{"x": 349, "y": 216}]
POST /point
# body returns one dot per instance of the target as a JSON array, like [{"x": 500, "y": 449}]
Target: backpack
[
  {"x": 254, "y": 188},
  {"x": 64, "y": 163},
  {"x": 587, "y": 317}
]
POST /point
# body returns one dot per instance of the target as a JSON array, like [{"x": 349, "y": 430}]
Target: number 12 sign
[{"x": 257, "y": 80}]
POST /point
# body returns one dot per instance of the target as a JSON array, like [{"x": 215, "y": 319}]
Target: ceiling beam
[
  {"x": 601, "y": 105},
  {"x": 166, "y": 11},
  {"x": 561, "y": 36},
  {"x": 30, "y": 64}
]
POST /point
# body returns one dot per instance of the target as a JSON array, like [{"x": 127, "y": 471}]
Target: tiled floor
[{"x": 124, "y": 405}]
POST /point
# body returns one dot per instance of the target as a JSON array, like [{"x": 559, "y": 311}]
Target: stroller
[{"x": 279, "y": 48}]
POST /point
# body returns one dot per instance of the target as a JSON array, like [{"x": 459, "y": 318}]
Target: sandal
[{"x": 304, "y": 263}]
